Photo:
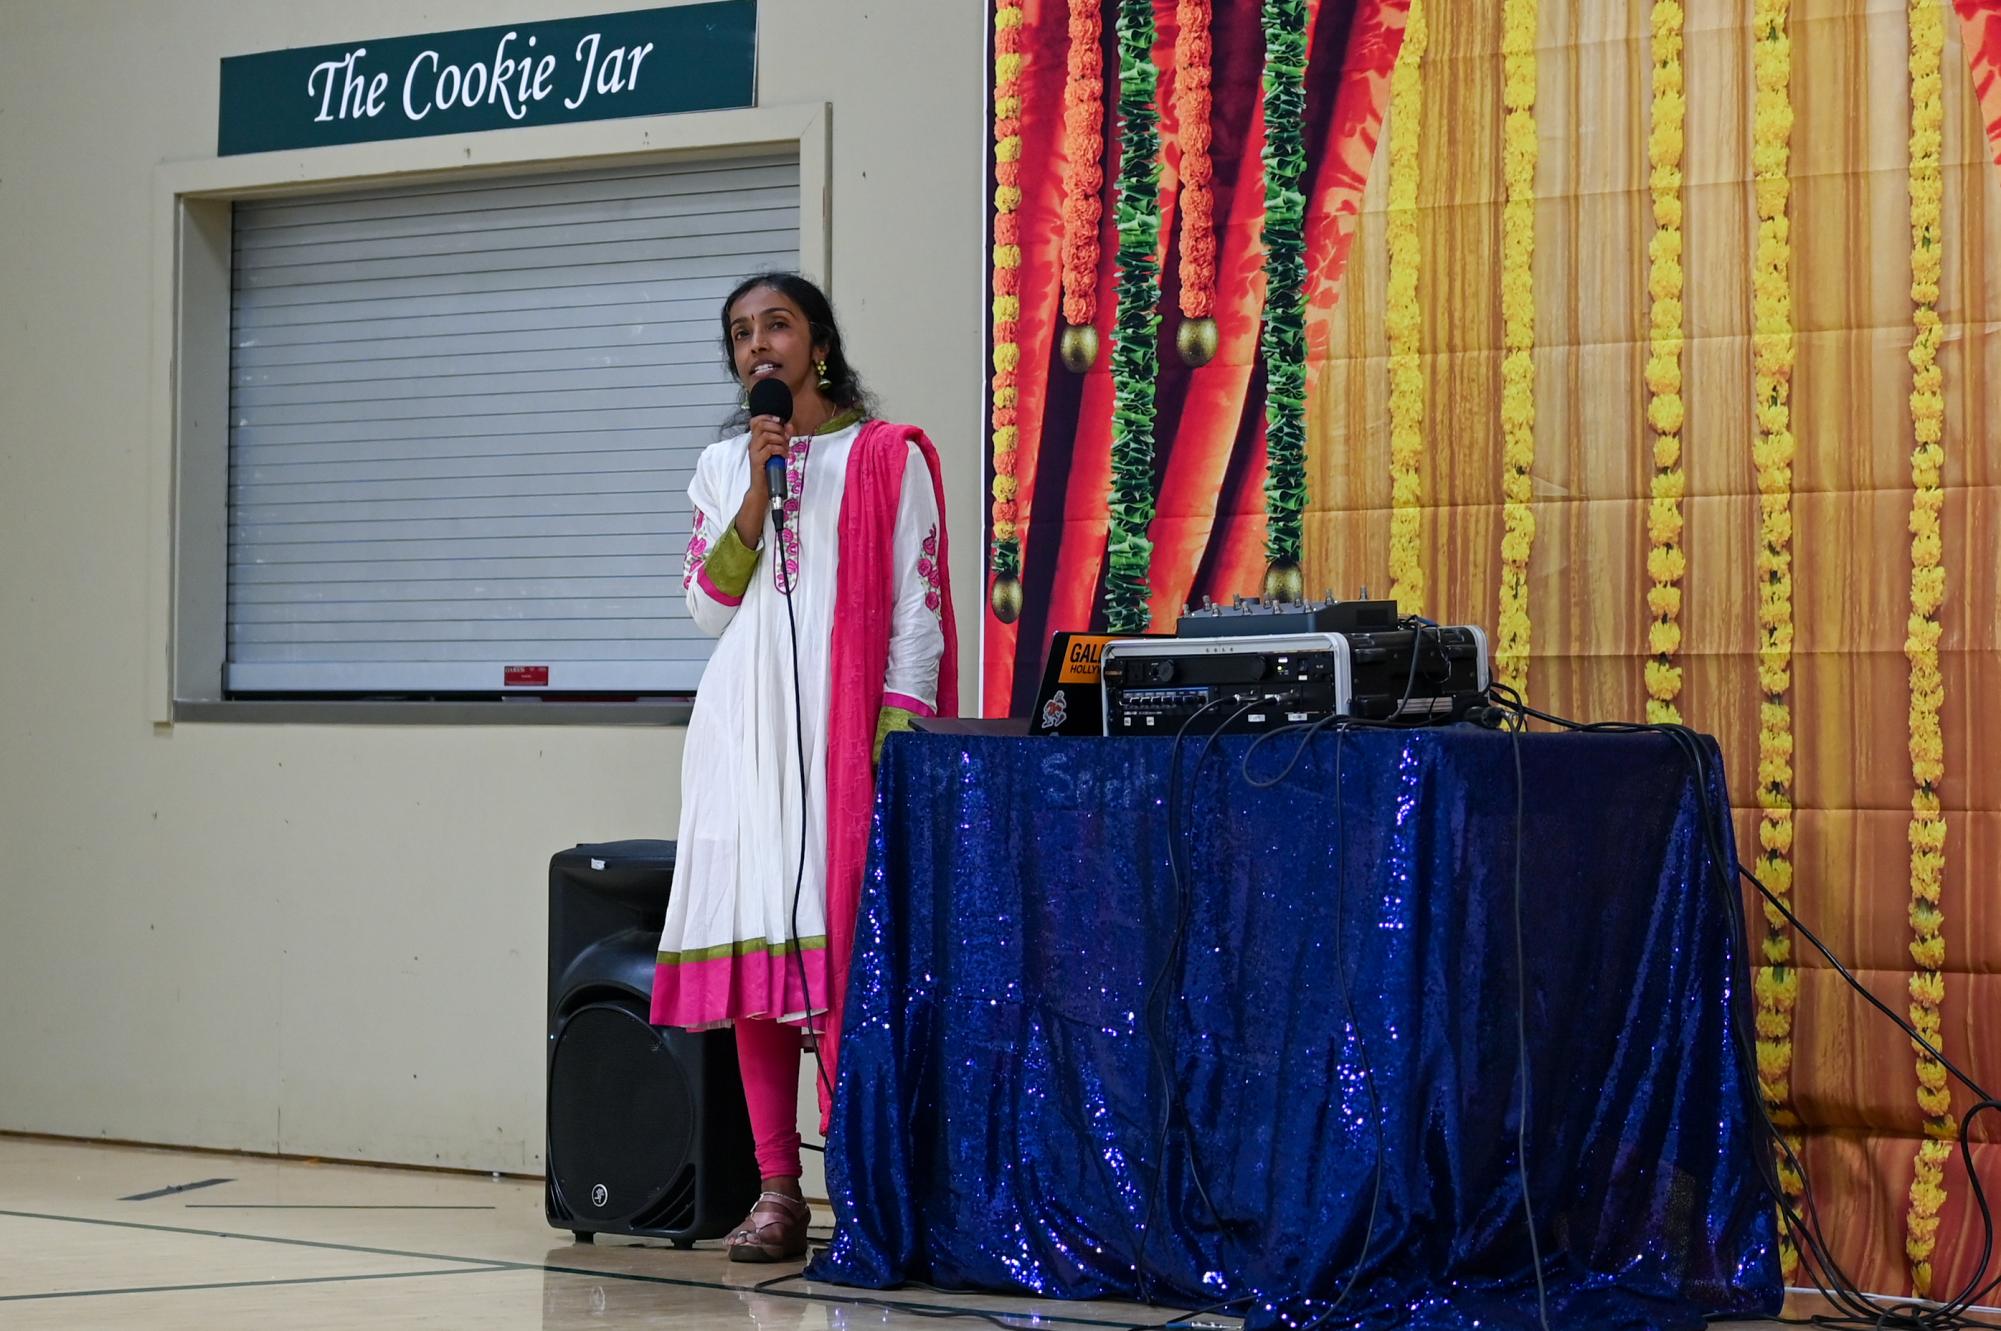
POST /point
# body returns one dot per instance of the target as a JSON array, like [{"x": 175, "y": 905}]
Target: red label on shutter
[{"x": 519, "y": 677}]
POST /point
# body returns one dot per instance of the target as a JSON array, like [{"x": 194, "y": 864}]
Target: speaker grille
[{"x": 621, "y": 1119}]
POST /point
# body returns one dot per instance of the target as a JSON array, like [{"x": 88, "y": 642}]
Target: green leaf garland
[
  {"x": 1283, "y": 337},
  {"x": 1135, "y": 352}
]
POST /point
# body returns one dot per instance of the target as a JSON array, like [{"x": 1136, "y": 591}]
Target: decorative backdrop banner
[
  {"x": 1137, "y": 451},
  {"x": 1660, "y": 339}
]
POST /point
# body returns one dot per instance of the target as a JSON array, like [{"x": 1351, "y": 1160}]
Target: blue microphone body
[
  {"x": 770, "y": 397},
  {"x": 774, "y": 476}
]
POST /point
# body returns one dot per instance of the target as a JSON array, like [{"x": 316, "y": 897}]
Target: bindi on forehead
[{"x": 780, "y": 304}]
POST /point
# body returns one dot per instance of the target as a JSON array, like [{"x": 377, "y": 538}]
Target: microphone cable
[
  {"x": 1354, "y": 1021},
  {"x": 771, "y": 397},
  {"x": 1159, "y": 1005},
  {"x": 1859, "y": 1310},
  {"x": 1341, "y": 725},
  {"x": 797, "y": 953},
  {"x": 1522, "y": 1027}
]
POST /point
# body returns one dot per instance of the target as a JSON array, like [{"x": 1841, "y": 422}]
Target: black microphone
[{"x": 770, "y": 397}]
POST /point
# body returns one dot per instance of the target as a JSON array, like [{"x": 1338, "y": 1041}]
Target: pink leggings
[{"x": 768, "y": 1054}]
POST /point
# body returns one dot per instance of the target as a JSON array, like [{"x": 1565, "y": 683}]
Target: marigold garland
[
  {"x": 1135, "y": 353},
  {"x": 1777, "y": 982},
  {"x": 1666, "y": 562},
  {"x": 1083, "y": 162},
  {"x": 1403, "y": 318},
  {"x": 1283, "y": 338},
  {"x": 1192, "y": 103},
  {"x": 1518, "y": 78},
  {"x": 1927, "y": 744},
  {"x": 1008, "y": 63}
]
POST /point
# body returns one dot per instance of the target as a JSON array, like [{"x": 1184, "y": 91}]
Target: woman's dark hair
[{"x": 843, "y": 387}]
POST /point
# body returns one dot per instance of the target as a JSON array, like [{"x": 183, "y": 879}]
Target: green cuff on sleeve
[
  {"x": 888, "y": 722},
  {"x": 730, "y": 563}
]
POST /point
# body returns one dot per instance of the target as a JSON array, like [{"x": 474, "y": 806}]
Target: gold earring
[{"x": 822, "y": 367}]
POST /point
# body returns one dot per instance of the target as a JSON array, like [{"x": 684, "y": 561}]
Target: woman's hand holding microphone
[
  {"x": 768, "y": 439},
  {"x": 770, "y": 405}
]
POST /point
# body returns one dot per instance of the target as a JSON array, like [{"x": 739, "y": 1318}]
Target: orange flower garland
[
  {"x": 1008, "y": 62},
  {"x": 1192, "y": 103},
  {"x": 1083, "y": 164}
]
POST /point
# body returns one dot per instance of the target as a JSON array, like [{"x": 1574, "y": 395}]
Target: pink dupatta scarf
[{"x": 864, "y": 604}]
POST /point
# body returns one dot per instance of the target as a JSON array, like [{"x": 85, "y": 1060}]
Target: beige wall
[{"x": 330, "y": 939}]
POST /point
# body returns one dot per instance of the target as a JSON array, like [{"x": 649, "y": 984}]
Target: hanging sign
[{"x": 700, "y": 57}]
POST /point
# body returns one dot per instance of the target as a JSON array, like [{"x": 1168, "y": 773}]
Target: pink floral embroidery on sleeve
[
  {"x": 788, "y": 536},
  {"x": 927, "y": 569},
  {"x": 698, "y": 552}
]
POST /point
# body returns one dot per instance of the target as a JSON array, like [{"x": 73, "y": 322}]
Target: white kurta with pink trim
[{"x": 727, "y": 948}]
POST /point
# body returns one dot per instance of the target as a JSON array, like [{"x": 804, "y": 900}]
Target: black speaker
[{"x": 647, "y": 1129}]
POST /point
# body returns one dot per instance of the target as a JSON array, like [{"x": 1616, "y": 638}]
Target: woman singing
[{"x": 834, "y": 628}]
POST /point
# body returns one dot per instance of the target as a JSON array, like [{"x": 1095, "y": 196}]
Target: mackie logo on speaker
[{"x": 600, "y": 1195}]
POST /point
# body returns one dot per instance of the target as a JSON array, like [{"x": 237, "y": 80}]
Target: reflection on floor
[{"x": 104, "y": 1236}]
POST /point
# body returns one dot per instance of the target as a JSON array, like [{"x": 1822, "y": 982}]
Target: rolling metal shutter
[{"x": 463, "y": 417}]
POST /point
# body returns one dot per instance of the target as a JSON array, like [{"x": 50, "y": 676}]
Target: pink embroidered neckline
[{"x": 788, "y": 538}]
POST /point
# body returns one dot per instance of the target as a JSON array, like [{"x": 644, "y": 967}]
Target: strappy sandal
[{"x": 774, "y": 1231}]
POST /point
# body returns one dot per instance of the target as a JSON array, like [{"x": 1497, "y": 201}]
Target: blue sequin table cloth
[{"x": 1326, "y": 1094}]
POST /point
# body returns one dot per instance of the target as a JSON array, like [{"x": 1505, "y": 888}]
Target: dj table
[{"x": 1286, "y": 1060}]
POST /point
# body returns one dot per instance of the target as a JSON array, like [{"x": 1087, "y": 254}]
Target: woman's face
[{"x": 770, "y": 338}]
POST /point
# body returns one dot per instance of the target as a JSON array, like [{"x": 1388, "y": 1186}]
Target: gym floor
[{"x": 117, "y": 1236}]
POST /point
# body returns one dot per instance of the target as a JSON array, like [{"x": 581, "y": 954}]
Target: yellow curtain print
[{"x": 1674, "y": 331}]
